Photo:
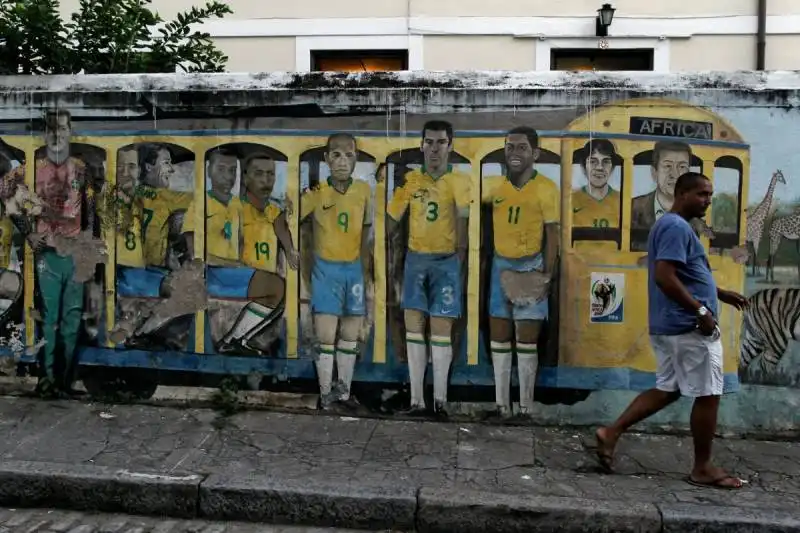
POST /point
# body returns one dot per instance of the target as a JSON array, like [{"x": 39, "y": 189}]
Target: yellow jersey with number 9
[
  {"x": 157, "y": 206},
  {"x": 222, "y": 228},
  {"x": 519, "y": 215},
  {"x": 588, "y": 212},
  {"x": 130, "y": 251},
  {"x": 339, "y": 219},
  {"x": 6, "y": 232},
  {"x": 260, "y": 243},
  {"x": 433, "y": 205}
]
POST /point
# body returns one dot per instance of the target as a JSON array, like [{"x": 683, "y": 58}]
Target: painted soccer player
[
  {"x": 341, "y": 210},
  {"x": 525, "y": 219},
  {"x": 264, "y": 225},
  {"x": 437, "y": 200},
  {"x": 596, "y": 205},
  {"x": 60, "y": 182}
]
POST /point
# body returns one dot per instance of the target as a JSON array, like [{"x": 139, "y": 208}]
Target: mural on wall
[{"x": 438, "y": 260}]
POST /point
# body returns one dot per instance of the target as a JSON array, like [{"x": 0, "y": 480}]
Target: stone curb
[
  {"x": 97, "y": 488},
  {"x": 325, "y": 503}
]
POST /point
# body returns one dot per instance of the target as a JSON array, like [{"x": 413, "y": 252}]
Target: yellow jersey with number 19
[
  {"x": 519, "y": 215},
  {"x": 260, "y": 243},
  {"x": 339, "y": 219},
  {"x": 433, "y": 205}
]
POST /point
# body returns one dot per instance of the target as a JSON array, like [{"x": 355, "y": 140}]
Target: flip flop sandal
[
  {"x": 716, "y": 483},
  {"x": 604, "y": 460}
]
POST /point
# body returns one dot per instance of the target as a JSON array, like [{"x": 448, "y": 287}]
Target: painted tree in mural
[{"x": 105, "y": 36}]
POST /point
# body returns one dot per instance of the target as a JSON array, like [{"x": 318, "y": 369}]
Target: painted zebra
[{"x": 770, "y": 321}]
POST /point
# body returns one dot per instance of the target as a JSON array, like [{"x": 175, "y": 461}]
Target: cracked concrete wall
[{"x": 205, "y": 231}]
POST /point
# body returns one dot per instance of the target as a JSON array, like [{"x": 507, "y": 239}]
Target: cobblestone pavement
[
  {"x": 369, "y": 453},
  {"x": 56, "y": 521}
]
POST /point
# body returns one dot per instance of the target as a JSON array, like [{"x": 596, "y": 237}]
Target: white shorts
[{"x": 690, "y": 363}]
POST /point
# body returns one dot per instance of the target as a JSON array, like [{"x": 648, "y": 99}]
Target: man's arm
[
  {"x": 462, "y": 232},
  {"x": 281, "y": 226},
  {"x": 667, "y": 280},
  {"x": 551, "y": 239}
]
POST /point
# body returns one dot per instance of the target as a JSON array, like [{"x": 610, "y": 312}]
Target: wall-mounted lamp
[{"x": 604, "y": 17}]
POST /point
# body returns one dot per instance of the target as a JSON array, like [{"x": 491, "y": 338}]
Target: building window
[
  {"x": 594, "y": 59},
  {"x": 358, "y": 60}
]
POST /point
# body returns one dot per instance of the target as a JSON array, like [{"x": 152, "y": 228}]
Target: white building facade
[{"x": 520, "y": 35}]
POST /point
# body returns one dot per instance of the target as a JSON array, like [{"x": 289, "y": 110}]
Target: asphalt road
[{"x": 57, "y": 521}]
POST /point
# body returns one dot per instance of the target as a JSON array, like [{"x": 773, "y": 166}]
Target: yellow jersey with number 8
[
  {"x": 260, "y": 243},
  {"x": 130, "y": 251},
  {"x": 519, "y": 215},
  {"x": 339, "y": 219},
  {"x": 433, "y": 205}
]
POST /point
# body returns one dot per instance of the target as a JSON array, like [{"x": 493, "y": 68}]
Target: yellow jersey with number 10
[
  {"x": 339, "y": 219},
  {"x": 433, "y": 205},
  {"x": 260, "y": 243},
  {"x": 519, "y": 215},
  {"x": 588, "y": 212}
]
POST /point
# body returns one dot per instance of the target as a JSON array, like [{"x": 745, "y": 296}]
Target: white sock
[
  {"x": 250, "y": 317},
  {"x": 501, "y": 361},
  {"x": 325, "y": 368},
  {"x": 417, "y": 365},
  {"x": 442, "y": 352},
  {"x": 527, "y": 364},
  {"x": 345, "y": 365}
]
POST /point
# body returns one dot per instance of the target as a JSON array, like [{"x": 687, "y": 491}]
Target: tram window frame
[
  {"x": 646, "y": 158},
  {"x": 728, "y": 240},
  {"x": 594, "y": 234}
]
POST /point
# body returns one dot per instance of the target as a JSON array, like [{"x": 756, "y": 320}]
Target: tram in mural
[{"x": 450, "y": 255}]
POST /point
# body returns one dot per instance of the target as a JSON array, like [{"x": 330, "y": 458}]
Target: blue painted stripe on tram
[{"x": 382, "y": 133}]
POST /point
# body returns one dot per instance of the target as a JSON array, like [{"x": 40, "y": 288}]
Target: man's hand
[
  {"x": 37, "y": 241},
  {"x": 706, "y": 324},
  {"x": 293, "y": 258},
  {"x": 732, "y": 298}
]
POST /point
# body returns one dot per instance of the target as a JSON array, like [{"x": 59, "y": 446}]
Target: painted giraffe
[
  {"x": 788, "y": 228},
  {"x": 757, "y": 218}
]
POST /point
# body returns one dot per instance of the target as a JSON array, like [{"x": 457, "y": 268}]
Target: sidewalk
[{"x": 333, "y": 471}]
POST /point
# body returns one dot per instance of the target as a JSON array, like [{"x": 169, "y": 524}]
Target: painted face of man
[
  {"x": 341, "y": 158},
  {"x": 127, "y": 171},
  {"x": 259, "y": 177},
  {"x": 222, "y": 172},
  {"x": 598, "y": 168},
  {"x": 158, "y": 173},
  {"x": 671, "y": 164},
  {"x": 57, "y": 134},
  {"x": 520, "y": 155},
  {"x": 436, "y": 148}
]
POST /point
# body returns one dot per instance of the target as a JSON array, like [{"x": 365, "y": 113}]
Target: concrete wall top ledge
[{"x": 499, "y": 80}]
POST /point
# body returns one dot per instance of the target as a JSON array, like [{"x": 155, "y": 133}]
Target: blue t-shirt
[{"x": 673, "y": 239}]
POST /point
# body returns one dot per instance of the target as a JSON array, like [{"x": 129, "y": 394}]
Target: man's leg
[
  {"x": 265, "y": 292},
  {"x": 346, "y": 354},
  {"x": 328, "y": 289},
  {"x": 49, "y": 278},
  {"x": 445, "y": 303},
  {"x": 501, "y": 330},
  {"x": 417, "y": 356},
  {"x": 527, "y": 361},
  {"x": 72, "y": 311},
  {"x": 442, "y": 355},
  {"x": 647, "y": 403}
]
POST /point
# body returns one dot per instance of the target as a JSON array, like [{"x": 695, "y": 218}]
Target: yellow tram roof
[{"x": 615, "y": 118}]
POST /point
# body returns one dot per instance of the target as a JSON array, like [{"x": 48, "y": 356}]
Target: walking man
[{"x": 684, "y": 332}]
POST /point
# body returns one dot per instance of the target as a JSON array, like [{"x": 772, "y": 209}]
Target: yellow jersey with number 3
[
  {"x": 339, "y": 219},
  {"x": 130, "y": 249},
  {"x": 433, "y": 205},
  {"x": 588, "y": 212},
  {"x": 519, "y": 215},
  {"x": 157, "y": 206},
  {"x": 260, "y": 243},
  {"x": 222, "y": 228}
]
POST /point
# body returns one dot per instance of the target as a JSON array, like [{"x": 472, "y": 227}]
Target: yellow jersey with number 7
[
  {"x": 339, "y": 219},
  {"x": 519, "y": 215},
  {"x": 434, "y": 205},
  {"x": 157, "y": 206}
]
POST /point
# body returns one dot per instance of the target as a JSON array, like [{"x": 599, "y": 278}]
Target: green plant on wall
[{"x": 105, "y": 36}]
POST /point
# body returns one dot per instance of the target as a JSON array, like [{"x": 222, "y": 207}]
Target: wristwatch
[{"x": 703, "y": 311}]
